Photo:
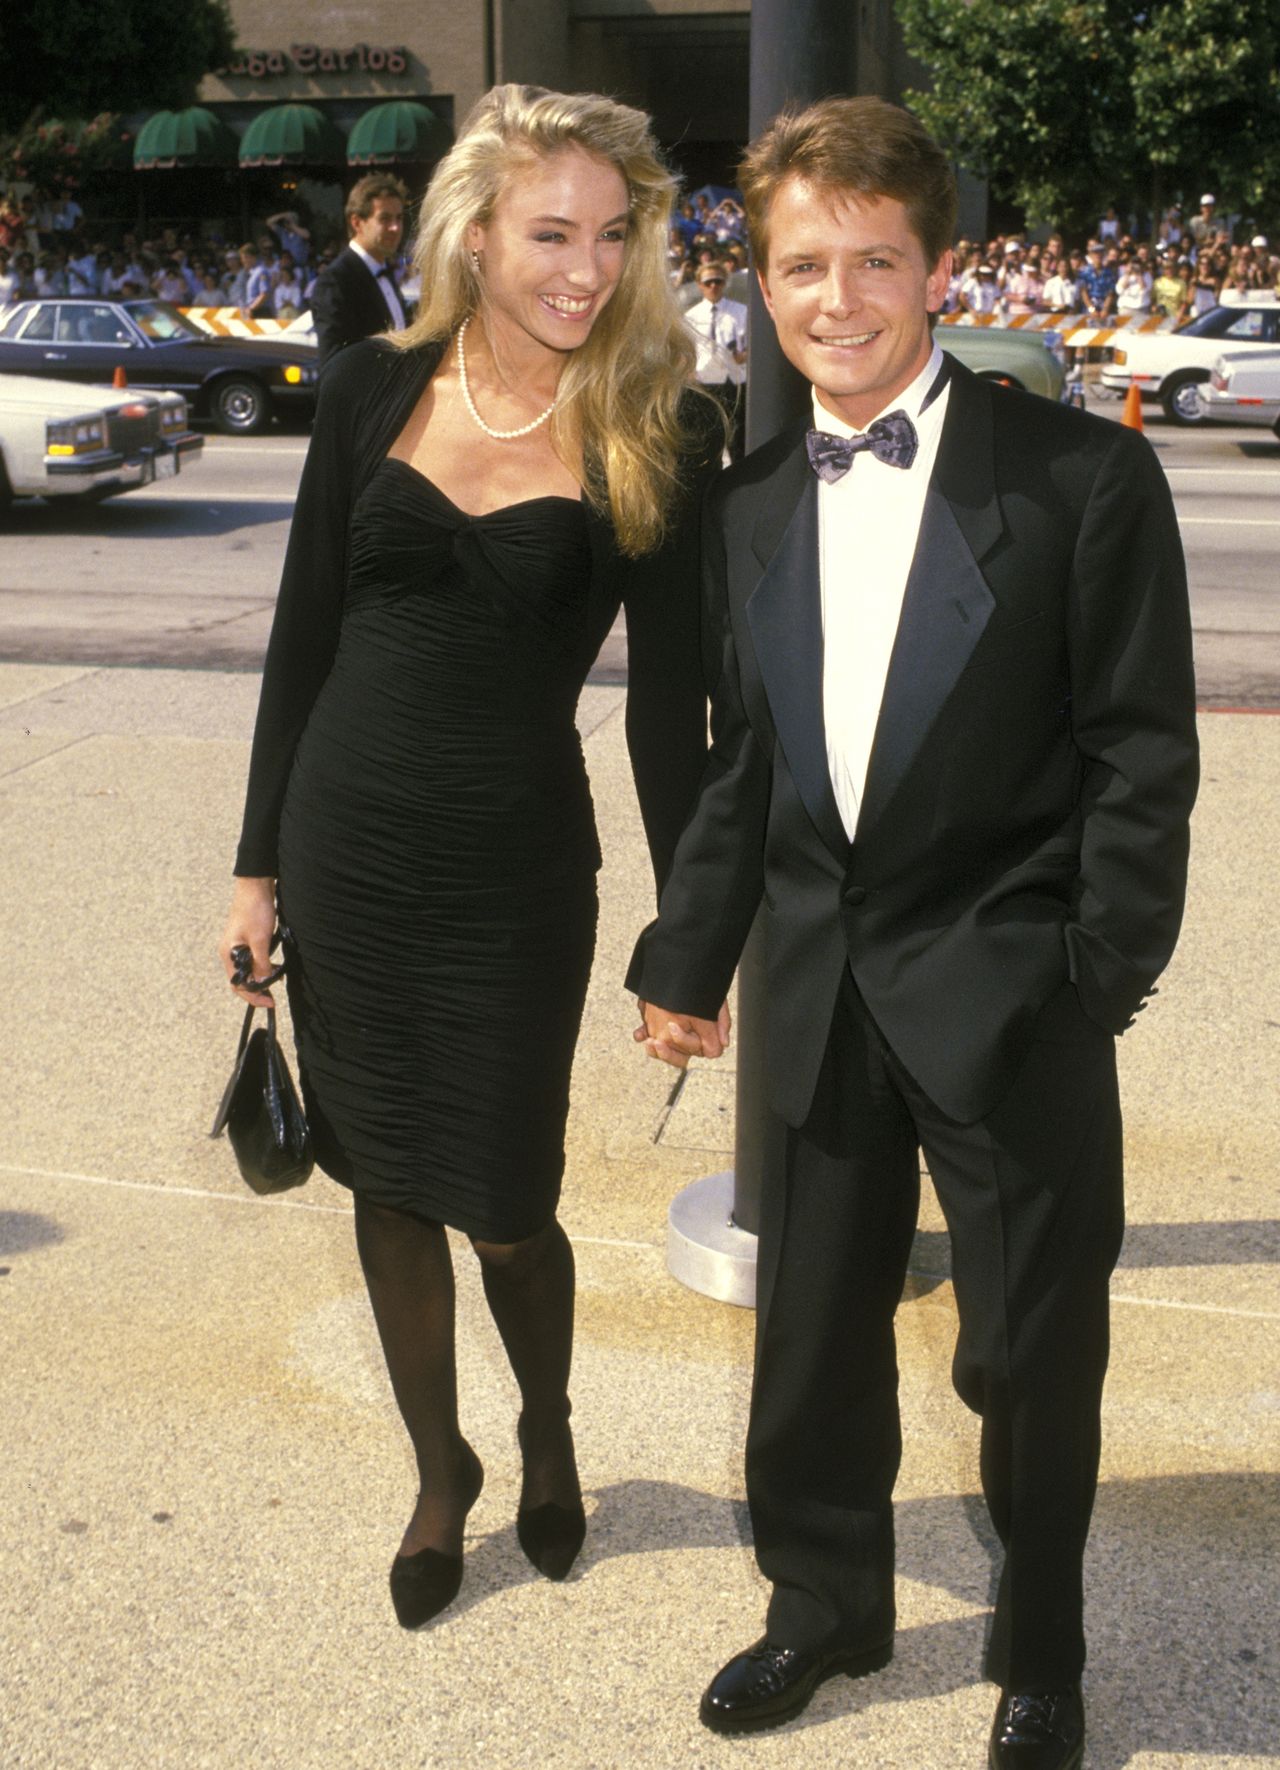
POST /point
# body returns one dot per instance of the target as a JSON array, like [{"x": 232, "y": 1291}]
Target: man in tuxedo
[
  {"x": 357, "y": 295},
  {"x": 953, "y": 762}
]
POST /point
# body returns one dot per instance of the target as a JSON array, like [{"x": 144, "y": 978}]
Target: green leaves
[
  {"x": 77, "y": 58},
  {"x": 1067, "y": 105}
]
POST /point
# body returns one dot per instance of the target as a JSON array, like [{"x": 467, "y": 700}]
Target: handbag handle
[
  {"x": 242, "y": 961},
  {"x": 224, "y": 1105}
]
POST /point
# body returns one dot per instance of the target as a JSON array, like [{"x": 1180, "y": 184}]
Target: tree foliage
[
  {"x": 1067, "y": 105},
  {"x": 57, "y": 156},
  {"x": 74, "y": 59}
]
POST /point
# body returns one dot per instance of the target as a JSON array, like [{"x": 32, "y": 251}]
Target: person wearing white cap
[
  {"x": 979, "y": 292},
  {"x": 1202, "y": 225}
]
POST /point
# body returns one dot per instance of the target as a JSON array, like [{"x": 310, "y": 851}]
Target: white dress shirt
[
  {"x": 719, "y": 328},
  {"x": 868, "y": 523},
  {"x": 394, "y": 306}
]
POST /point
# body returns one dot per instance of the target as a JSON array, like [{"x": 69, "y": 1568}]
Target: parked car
[
  {"x": 88, "y": 442},
  {"x": 1015, "y": 359},
  {"x": 1244, "y": 388},
  {"x": 1170, "y": 366},
  {"x": 240, "y": 383}
]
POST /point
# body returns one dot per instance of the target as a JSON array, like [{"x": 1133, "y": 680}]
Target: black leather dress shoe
[
  {"x": 1038, "y": 1730},
  {"x": 768, "y": 1684}
]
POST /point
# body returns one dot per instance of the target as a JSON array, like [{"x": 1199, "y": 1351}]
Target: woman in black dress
[{"x": 481, "y": 493}]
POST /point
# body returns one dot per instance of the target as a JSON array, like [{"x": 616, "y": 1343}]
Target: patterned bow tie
[{"x": 892, "y": 440}]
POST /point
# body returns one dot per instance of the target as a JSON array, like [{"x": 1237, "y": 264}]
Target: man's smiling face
[{"x": 850, "y": 293}]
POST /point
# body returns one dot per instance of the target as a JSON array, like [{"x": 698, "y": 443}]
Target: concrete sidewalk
[{"x": 206, "y": 1477}]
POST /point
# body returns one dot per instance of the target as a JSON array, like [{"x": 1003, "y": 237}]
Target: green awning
[
  {"x": 194, "y": 137},
  {"x": 292, "y": 135},
  {"x": 397, "y": 130}
]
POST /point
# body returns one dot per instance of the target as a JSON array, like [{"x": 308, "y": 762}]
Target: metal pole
[{"x": 801, "y": 50}]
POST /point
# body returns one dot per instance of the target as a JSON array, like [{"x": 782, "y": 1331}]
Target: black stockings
[
  {"x": 410, "y": 1278},
  {"x": 529, "y": 1288}
]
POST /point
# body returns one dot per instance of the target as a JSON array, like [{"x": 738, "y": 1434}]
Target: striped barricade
[
  {"x": 229, "y": 322},
  {"x": 1078, "y": 333}
]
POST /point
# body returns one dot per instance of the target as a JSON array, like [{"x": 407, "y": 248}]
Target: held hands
[
  {"x": 675, "y": 1038},
  {"x": 251, "y": 923}
]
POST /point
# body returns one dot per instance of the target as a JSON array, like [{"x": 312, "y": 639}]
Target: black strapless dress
[{"x": 438, "y": 856}]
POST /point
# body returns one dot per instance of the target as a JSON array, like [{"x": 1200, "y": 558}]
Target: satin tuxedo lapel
[
  {"x": 947, "y": 603},
  {"x": 784, "y": 613}
]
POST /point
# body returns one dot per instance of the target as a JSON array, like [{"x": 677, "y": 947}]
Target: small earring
[{"x": 475, "y": 262}]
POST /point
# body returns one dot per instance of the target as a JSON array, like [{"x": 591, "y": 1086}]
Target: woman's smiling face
[{"x": 552, "y": 251}]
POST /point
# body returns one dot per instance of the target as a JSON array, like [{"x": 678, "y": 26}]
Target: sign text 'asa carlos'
[{"x": 312, "y": 58}]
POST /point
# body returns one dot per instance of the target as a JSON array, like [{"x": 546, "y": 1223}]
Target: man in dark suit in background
[
  {"x": 954, "y": 755},
  {"x": 357, "y": 295}
]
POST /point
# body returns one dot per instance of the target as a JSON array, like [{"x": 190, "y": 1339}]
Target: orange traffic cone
[{"x": 1132, "y": 414}]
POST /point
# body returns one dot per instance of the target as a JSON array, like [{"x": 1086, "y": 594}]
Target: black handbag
[{"x": 261, "y": 1112}]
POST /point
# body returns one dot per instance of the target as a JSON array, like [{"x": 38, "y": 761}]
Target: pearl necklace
[{"x": 497, "y": 435}]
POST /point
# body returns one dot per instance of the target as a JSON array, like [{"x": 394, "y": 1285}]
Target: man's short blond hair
[{"x": 859, "y": 147}]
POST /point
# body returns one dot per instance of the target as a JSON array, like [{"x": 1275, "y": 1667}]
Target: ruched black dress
[{"x": 419, "y": 791}]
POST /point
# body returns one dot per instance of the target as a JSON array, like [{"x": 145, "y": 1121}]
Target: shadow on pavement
[
  {"x": 134, "y": 517},
  {"x": 1253, "y": 1242},
  {"x": 1170, "y": 1558},
  {"x": 23, "y": 1231}
]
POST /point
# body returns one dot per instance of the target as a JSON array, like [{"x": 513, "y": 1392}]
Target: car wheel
[
  {"x": 1180, "y": 400},
  {"x": 6, "y": 490},
  {"x": 240, "y": 406},
  {"x": 1001, "y": 379}
]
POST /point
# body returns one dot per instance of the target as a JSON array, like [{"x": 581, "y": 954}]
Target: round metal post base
[{"x": 705, "y": 1248}]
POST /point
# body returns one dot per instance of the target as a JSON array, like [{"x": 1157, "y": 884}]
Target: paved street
[
  {"x": 205, "y": 1476},
  {"x": 185, "y": 573}
]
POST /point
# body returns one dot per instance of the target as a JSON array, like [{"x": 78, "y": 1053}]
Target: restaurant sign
[{"x": 310, "y": 58}]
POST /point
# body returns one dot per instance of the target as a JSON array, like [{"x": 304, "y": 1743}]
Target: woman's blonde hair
[{"x": 620, "y": 391}]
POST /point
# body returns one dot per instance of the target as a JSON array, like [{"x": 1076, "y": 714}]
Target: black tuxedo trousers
[{"x": 1032, "y": 1196}]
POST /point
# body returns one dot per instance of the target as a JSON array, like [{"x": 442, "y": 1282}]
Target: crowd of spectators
[
  {"x": 708, "y": 234},
  {"x": 270, "y": 278},
  {"x": 1189, "y": 268}
]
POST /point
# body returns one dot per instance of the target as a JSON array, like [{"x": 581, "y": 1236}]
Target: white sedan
[
  {"x": 63, "y": 440},
  {"x": 1170, "y": 366},
  {"x": 1244, "y": 388}
]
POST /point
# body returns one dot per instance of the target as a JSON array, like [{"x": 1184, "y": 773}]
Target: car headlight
[
  {"x": 1120, "y": 357},
  {"x": 300, "y": 375},
  {"x": 75, "y": 436},
  {"x": 174, "y": 417}
]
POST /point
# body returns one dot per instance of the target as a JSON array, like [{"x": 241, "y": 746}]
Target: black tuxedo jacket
[
  {"x": 1026, "y": 805},
  {"x": 347, "y": 305}
]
